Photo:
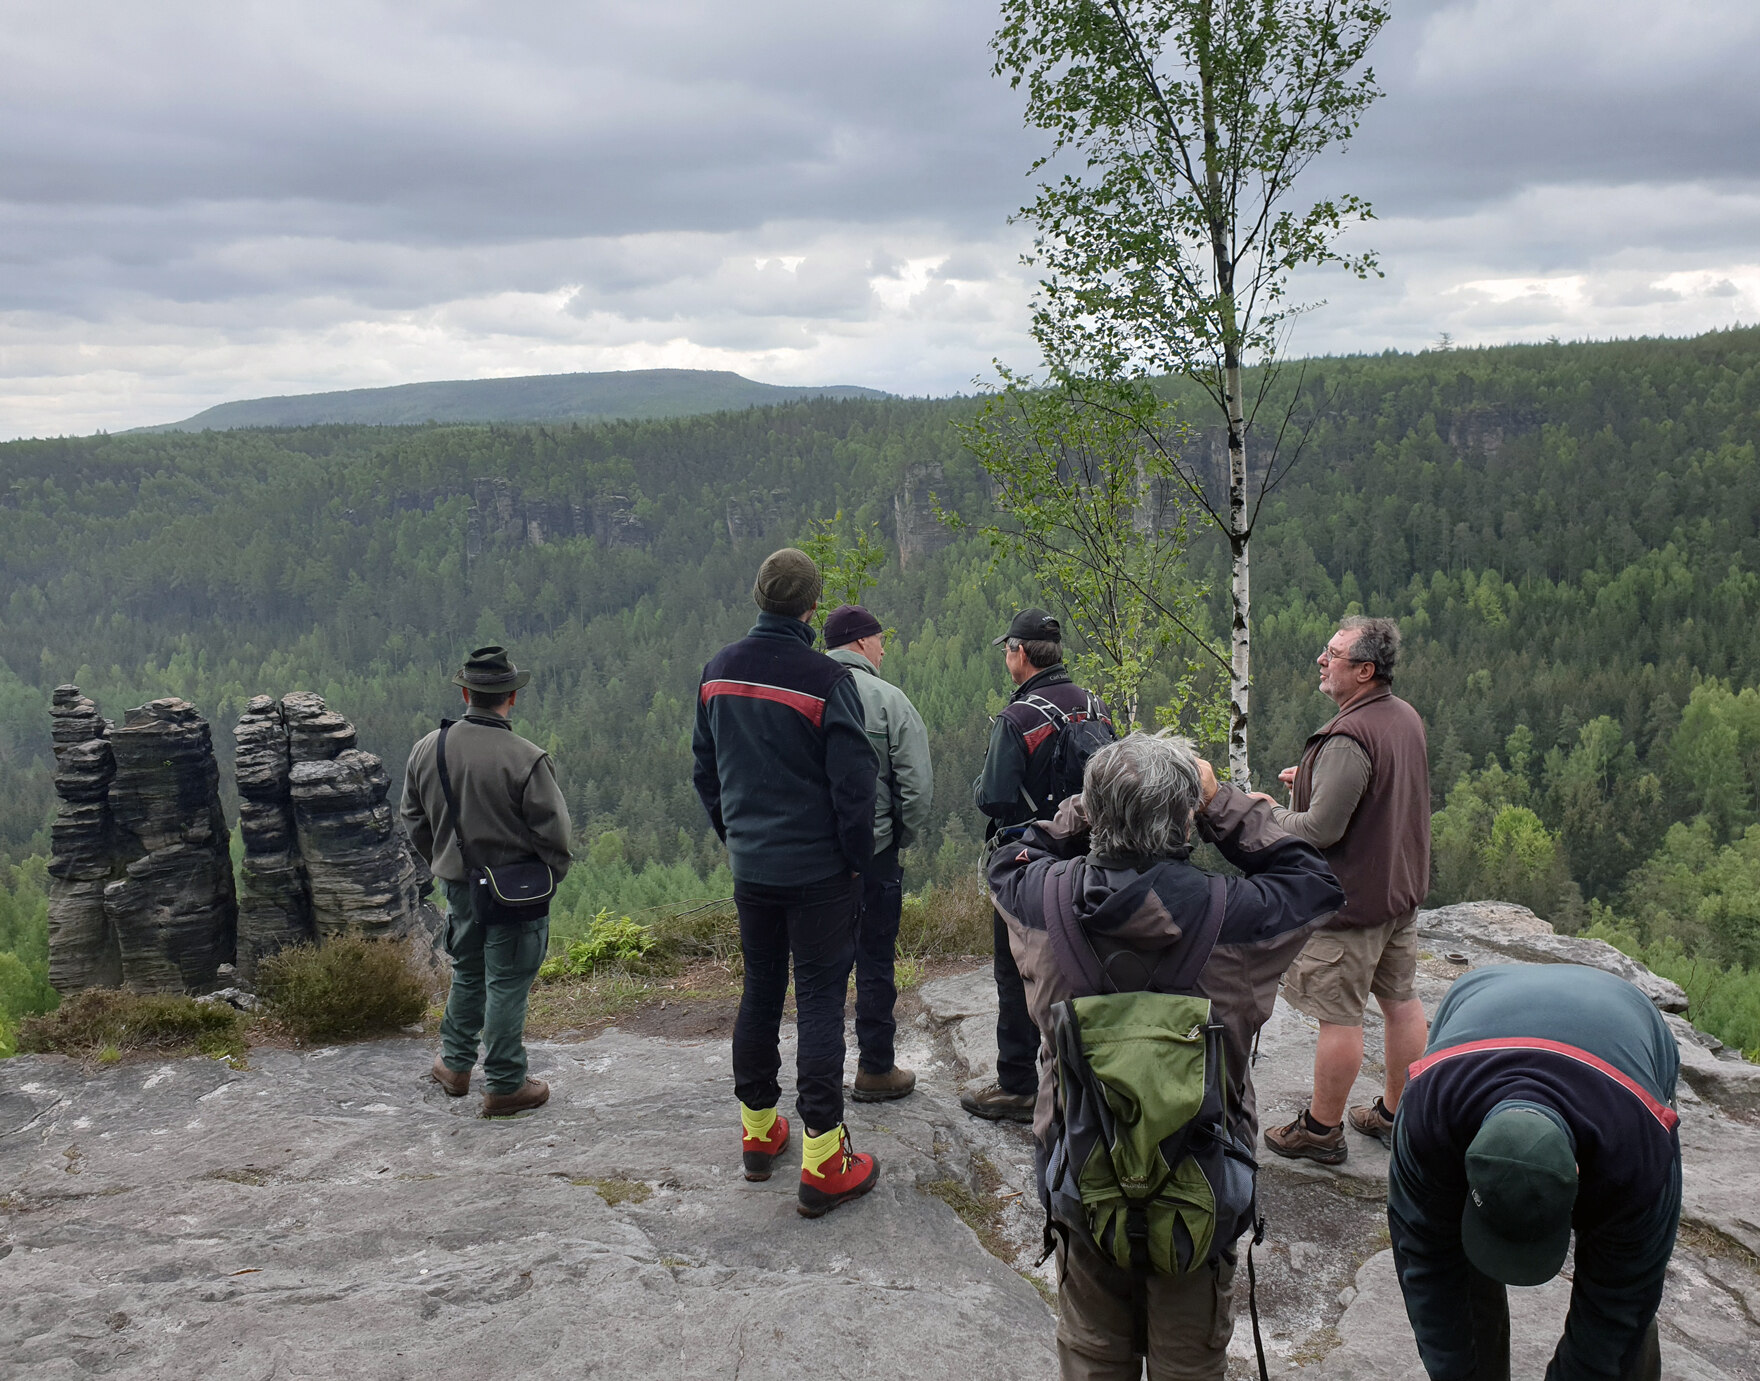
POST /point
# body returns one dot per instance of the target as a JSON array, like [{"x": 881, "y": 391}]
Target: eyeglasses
[{"x": 1328, "y": 655}]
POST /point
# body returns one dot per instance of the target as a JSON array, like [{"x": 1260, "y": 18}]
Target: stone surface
[
  {"x": 361, "y": 872},
  {"x": 333, "y": 1214},
  {"x": 1520, "y": 934},
  {"x": 920, "y": 533},
  {"x": 141, "y": 892},
  {"x": 1725, "y": 1078}
]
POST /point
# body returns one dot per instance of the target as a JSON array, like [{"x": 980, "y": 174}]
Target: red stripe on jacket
[
  {"x": 1660, "y": 1111},
  {"x": 809, "y": 705}
]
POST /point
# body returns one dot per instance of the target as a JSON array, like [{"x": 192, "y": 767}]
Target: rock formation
[
  {"x": 323, "y": 853},
  {"x": 499, "y": 513},
  {"x": 142, "y": 893},
  {"x": 275, "y": 903},
  {"x": 920, "y": 532},
  {"x": 83, "y": 952}
]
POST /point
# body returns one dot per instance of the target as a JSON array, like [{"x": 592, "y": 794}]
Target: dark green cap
[
  {"x": 1521, "y": 1188},
  {"x": 487, "y": 669}
]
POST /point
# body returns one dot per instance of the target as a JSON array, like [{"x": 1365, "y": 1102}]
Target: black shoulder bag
[{"x": 508, "y": 892}]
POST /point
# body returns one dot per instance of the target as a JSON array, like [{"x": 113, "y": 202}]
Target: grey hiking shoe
[
  {"x": 994, "y": 1105},
  {"x": 878, "y": 1088}
]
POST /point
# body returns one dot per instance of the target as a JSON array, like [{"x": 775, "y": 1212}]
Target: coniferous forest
[{"x": 1569, "y": 535}]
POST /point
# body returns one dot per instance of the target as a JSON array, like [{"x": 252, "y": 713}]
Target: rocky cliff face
[
  {"x": 275, "y": 905},
  {"x": 501, "y": 514},
  {"x": 141, "y": 894},
  {"x": 920, "y": 532}
]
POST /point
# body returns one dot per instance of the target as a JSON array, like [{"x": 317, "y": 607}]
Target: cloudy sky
[{"x": 206, "y": 201}]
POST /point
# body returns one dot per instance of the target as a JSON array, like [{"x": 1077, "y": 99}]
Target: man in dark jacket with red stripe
[
  {"x": 1542, "y": 1105},
  {"x": 785, "y": 770}
]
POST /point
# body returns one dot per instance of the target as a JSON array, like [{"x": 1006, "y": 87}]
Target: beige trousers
[{"x": 1190, "y": 1321}]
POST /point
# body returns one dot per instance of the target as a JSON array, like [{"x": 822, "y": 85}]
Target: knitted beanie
[{"x": 788, "y": 583}]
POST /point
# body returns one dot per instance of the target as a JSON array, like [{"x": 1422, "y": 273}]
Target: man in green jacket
[
  {"x": 901, "y": 813},
  {"x": 510, "y": 808}
]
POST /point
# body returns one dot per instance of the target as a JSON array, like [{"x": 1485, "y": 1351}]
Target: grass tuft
[
  {"x": 105, "y": 1023},
  {"x": 351, "y": 987}
]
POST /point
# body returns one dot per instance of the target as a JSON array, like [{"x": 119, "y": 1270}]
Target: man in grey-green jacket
[
  {"x": 510, "y": 808},
  {"x": 901, "y": 813}
]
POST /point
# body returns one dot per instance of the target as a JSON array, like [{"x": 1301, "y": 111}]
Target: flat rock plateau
[{"x": 332, "y": 1213}]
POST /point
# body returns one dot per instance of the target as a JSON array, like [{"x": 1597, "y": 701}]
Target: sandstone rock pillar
[
  {"x": 275, "y": 903},
  {"x": 174, "y": 908},
  {"x": 84, "y": 850}
]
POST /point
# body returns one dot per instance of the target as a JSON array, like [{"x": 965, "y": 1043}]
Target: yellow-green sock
[
  {"x": 816, "y": 1150},
  {"x": 757, "y": 1121}
]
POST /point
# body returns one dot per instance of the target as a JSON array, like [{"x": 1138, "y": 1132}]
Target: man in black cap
[
  {"x": 784, "y": 769},
  {"x": 1543, "y": 1105},
  {"x": 1025, "y": 777},
  {"x": 510, "y": 808}
]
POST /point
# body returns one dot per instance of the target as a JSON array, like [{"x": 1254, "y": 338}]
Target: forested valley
[{"x": 1569, "y": 535}]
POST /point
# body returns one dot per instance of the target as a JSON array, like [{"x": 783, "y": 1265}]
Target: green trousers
[{"x": 492, "y": 972}]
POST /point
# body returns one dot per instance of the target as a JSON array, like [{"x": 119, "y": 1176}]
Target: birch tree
[{"x": 1169, "y": 239}]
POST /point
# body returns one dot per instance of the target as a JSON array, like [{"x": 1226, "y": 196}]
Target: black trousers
[
  {"x": 816, "y": 925},
  {"x": 876, "y": 955},
  {"x": 1017, "y": 1039},
  {"x": 1489, "y": 1301}
]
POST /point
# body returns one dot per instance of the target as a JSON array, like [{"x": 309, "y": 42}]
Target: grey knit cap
[{"x": 788, "y": 583}]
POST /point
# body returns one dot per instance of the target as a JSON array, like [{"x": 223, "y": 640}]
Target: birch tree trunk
[{"x": 1240, "y": 603}]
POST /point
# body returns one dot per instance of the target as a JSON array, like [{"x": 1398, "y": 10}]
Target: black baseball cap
[
  {"x": 1032, "y": 626},
  {"x": 1521, "y": 1189}
]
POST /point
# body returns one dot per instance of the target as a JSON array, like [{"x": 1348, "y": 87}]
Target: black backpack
[{"x": 1079, "y": 735}]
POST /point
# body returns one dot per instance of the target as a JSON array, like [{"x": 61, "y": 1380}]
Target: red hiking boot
[
  {"x": 759, "y": 1153},
  {"x": 847, "y": 1174}
]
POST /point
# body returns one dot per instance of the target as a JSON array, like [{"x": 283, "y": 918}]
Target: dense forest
[{"x": 1569, "y": 534}]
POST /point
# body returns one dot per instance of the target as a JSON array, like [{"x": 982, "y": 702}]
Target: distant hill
[{"x": 635, "y": 394}]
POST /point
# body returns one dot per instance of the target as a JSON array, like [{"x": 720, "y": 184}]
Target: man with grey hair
[
  {"x": 1362, "y": 796},
  {"x": 1114, "y": 867}
]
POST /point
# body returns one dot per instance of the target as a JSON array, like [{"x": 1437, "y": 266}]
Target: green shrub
[
  {"x": 941, "y": 921},
  {"x": 609, "y": 940},
  {"x": 347, "y": 988},
  {"x": 100, "y": 1018}
]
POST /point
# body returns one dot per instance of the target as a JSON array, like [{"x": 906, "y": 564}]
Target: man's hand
[
  {"x": 1287, "y": 776},
  {"x": 1263, "y": 796},
  {"x": 1206, "y": 780}
]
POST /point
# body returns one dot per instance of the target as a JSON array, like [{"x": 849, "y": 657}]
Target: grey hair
[
  {"x": 1377, "y": 641},
  {"x": 1140, "y": 795}
]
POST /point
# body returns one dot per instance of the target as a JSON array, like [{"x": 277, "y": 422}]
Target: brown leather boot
[
  {"x": 878, "y": 1088},
  {"x": 994, "y": 1105},
  {"x": 1374, "y": 1120},
  {"x": 534, "y": 1094},
  {"x": 1299, "y": 1141},
  {"x": 456, "y": 1082}
]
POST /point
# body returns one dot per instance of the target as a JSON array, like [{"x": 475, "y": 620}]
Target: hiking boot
[
  {"x": 1299, "y": 1141},
  {"x": 533, "y": 1094},
  {"x": 1374, "y": 1120},
  {"x": 456, "y": 1082},
  {"x": 994, "y": 1105},
  {"x": 878, "y": 1088},
  {"x": 758, "y": 1154},
  {"x": 845, "y": 1175}
]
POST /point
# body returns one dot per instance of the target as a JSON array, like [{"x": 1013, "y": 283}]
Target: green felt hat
[{"x": 487, "y": 669}]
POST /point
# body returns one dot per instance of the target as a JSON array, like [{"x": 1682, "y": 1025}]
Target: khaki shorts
[{"x": 1337, "y": 970}]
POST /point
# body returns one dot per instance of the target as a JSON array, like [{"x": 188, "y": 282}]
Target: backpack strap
[
  {"x": 1070, "y": 944},
  {"x": 1197, "y": 953},
  {"x": 450, "y": 825}
]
